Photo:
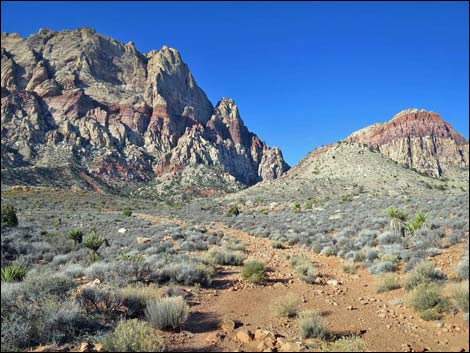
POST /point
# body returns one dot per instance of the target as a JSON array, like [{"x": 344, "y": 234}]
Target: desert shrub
[
  {"x": 327, "y": 251},
  {"x": 387, "y": 282},
  {"x": 235, "y": 245},
  {"x": 234, "y": 210},
  {"x": 43, "y": 321},
  {"x": 8, "y": 216},
  {"x": 253, "y": 271},
  {"x": 463, "y": 269},
  {"x": 133, "y": 336},
  {"x": 455, "y": 237},
  {"x": 305, "y": 268},
  {"x": 345, "y": 344},
  {"x": 222, "y": 256},
  {"x": 423, "y": 273},
  {"x": 14, "y": 272},
  {"x": 135, "y": 296},
  {"x": 170, "y": 312},
  {"x": 278, "y": 245},
  {"x": 381, "y": 267},
  {"x": 428, "y": 301},
  {"x": 94, "y": 242},
  {"x": 286, "y": 306},
  {"x": 127, "y": 212},
  {"x": 312, "y": 325},
  {"x": 99, "y": 299},
  {"x": 76, "y": 235},
  {"x": 42, "y": 284},
  {"x": 389, "y": 238},
  {"x": 349, "y": 268},
  {"x": 187, "y": 273},
  {"x": 459, "y": 295}
]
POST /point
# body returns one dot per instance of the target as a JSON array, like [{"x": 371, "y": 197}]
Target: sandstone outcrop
[
  {"x": 419, "y": 139},
  {"x": 78, "y": 98}
]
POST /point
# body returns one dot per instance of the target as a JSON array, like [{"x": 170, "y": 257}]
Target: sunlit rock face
[
  {"x": 420, "y": 140},
  {"x": 83, "y": 99}
]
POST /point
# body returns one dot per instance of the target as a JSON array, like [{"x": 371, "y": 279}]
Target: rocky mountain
[
  {"x": 419, "y": 139},
  {"x": 110, "y": 115}
]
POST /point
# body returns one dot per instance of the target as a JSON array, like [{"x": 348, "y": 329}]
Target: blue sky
[{"x": 302, "y": 73}]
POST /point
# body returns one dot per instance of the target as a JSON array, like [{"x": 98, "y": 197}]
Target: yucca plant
[
  {"x": 93, "y": 241},
  {"x": 76, "y": 235},
  {"x": 419, "y": 221},
  {"x": 398, "y": 220},
  {"x": 14, "y": 272},
  {"x": 9, "y": 217}
]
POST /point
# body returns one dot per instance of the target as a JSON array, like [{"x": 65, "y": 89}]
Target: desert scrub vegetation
[
  {"x": 135, "y": 296},
  {"x": 93, "y": 241},
  {"x": 286, "y": 306},
  {"x": 305, "y": 268},
  {"x": 423, "y": 273},
  {"x": 8, "y": 216},
  {"x": 100, "y": 299},
  {"x": 278, "y": 245},
  {"x": 76, "y": 235},
  {"x": 312, "y": 325},
  {"x": 349, "y": 268},
  {"x": 127, "y": 212},
  {"x": 14, "y": 272},
  {"x": 234, "y": 210},
  {"x": 345, "y": 344},
  {"x": 169, "y": 312},
  {"x": 221, "y": 256},
  {"x": 387, "y": 282},
  {"x": 133, "y": 336},
  {"x": 428, "y": 301},
  {"x": 459, "y": 295},
  {"x": 253, "y": 271}
]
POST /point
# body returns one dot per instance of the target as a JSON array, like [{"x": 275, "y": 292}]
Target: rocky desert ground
[{"x": 136, "y": 216}]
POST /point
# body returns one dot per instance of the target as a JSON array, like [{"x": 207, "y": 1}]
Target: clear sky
[{"x": 302, "y": 73}]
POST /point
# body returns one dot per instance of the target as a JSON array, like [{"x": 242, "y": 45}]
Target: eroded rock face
[
  {"x": 420, "y": 140},
  {"x": 82, "y": 98}
]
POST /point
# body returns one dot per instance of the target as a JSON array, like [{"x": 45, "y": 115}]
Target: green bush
[
  {"x": 234, "y": 210},
  {"x": 253, "y": 271},
  {"x": 76, "y": 235},
  {"x": 423, "y": 273},
  {"x": 100, "y": 299},
  {"x": 305, "y": 268},
  {"x": 170, "y": 312},
  {"x": 127, "y": 212},
  {"x": 222, "y": 256},
  {"x": 278, "y": 245},
  {"x": 346, "y": 344},
  {"x": 428, "y": 301},
  {"x": 287, "y": 306},
  {"x": 9, "y": 217},
  {"x": 14, "y": 272},
  {"x": 459, "y": 295},
  {"x": 349, "y": 268},
  {"x": 133, "y": 336},
  {"x": 387, "y": 282},
  {"x": 312, "y": 325},
  {"x": 93, "y": 242}
]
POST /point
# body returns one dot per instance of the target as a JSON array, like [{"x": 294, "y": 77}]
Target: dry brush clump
[
  {"x": 253, "y": 271},
  {"x": 287, "y": 306},
  {"x": 169, "y": 312},
  {"x": 312, "y": 325},
  {"x": 134, "y": 336}
]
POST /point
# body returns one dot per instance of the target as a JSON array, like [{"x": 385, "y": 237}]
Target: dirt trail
[{"x": 352, "y": 306}]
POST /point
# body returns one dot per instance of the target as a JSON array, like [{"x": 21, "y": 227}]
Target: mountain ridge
[{"x": 119, "y": 114}]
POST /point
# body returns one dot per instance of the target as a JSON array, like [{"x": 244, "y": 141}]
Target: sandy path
[{"x": 350, "y": 307}]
